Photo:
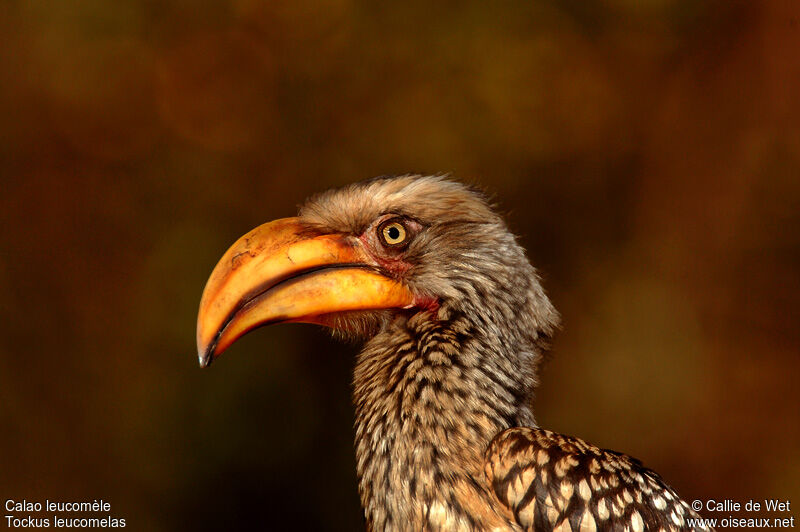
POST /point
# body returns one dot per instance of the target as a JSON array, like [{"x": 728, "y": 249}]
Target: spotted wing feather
[{"x": 555, "y": 482}]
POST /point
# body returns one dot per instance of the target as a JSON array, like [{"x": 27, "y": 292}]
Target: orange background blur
[{"x": 647, "y": 153}]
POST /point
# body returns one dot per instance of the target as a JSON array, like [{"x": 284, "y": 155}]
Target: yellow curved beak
[{"x": 280, "y": 271}]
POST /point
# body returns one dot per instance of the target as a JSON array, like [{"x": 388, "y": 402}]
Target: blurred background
[{"x": 646, "y": 152}]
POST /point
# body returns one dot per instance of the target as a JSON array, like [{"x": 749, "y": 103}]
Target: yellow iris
[{"x": 393, "y": 233}]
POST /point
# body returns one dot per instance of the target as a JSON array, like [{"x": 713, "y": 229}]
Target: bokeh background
[{"x": 646, "y": 152}]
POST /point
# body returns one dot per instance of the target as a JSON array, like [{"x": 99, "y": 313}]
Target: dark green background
[{"x": 647, "y": 153}]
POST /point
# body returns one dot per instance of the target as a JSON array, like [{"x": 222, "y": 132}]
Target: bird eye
[{"x": 393, "y": 233}]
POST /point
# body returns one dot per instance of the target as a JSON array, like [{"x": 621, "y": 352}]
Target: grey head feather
[{"x": 464, "y": 257}]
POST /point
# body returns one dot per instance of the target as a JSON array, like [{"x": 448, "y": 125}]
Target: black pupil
[{"x": 394, "y": 233}]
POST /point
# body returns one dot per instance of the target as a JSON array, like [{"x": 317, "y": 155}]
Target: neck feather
[{"x": 430, "y": 394}]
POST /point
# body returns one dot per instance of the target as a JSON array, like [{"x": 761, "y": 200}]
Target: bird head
[{"x": 359, "y": 258}]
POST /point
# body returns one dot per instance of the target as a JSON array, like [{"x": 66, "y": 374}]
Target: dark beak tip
[
  {"x": 207, "y": 352},
  {"x": 205, "y": 358}
]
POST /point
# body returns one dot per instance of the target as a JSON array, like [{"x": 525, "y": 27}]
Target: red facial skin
[{"x": 393, "y": 260}]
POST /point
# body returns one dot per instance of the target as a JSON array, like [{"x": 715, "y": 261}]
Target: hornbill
[{"x": 454, "y": 322}]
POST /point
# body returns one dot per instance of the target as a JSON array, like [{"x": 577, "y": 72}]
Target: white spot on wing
[
  {"x": 583, "y": 490},
  {"x": 602, "y": 509},
  {"x": 636, "y": 522},
  {"x": 587, "y": 523},
  {"x": 563, "y": 526},
  {"x": 566, "y": 489}
]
